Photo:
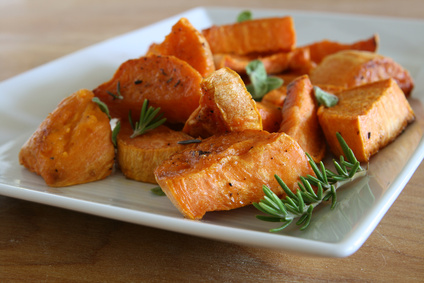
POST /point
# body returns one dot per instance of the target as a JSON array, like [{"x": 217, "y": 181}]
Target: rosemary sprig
[
  {"x": 105, "y": 110},
  {"x": 118, "y": 94},
  {"x": 302, "y": 203},
  {"x": 150, "y": 118}
]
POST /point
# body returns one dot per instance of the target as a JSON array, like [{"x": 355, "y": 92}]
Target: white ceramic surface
[{"x": 27, "y": 99}]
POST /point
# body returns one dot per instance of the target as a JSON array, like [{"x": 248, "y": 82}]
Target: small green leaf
[
  {"x": 115, "y": 133},
  {"x": 102, "y": 106},
  {"x": 261, "y": 83},
  {"x": 158, "y": 191},
  {"x": 244, "y": 16},
  {"x": 325, "y": 98}
]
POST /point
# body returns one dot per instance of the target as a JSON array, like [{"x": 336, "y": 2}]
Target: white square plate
[{"x": 28, "y": 98}]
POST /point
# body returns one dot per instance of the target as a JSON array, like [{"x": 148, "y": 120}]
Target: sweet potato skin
[
  {"x": 368, "y": 117},
  {"x": 228, "y": 171},
  {"x": 350, "y": 68},
  {"x": 188, "y": 44},
  {"x": 138, "y": 157},
  {"x": 72, "y": 145},
  {"x": 300, "y": 119},
  {"x": 267, "y": 35},
  {"x": 225, "y": 106},
  {"x": 165, "y": 81}
]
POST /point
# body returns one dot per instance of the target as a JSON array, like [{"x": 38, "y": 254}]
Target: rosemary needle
[
  {"x": 150, "y": 118},
  {"x": 302, "y": 203}
]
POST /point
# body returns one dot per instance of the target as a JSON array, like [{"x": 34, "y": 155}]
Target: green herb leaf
[
  {"x": 115, "y": 133},
  {"x": 102, "y": 106},
  {"x": 158, "y": 191},
  {"x": 150, "y": 118},
  {"x": 190, "y": 141},
  {"x": 244, "y": 16},
  {"x": 325, "y": 98},
  {"x": 261, "y": 83},
  {"x": 118, "y": 94},
  {"x": 302, "y": 203}
]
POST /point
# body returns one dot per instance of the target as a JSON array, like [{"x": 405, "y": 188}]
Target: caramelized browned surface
[
  {"x": 225, "y": 106},
  {"x": 166, "y": 81},
  {"x": 72, "y": 145},
  {"x": 228, "y": 171}
]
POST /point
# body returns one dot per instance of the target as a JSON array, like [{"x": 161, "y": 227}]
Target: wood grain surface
[{"x": 40, "y": 243}]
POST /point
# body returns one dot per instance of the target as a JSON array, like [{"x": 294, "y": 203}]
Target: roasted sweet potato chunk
[
  {"x": 166, "y": 81},
  {"x": 352, "y": 68},
  {"x": 368, "y": 117},
  {"x": 300, "y": 119},
  {"x": 72, "y": 145},
  {"x": 228, "y": 171},
  {"x": 267, "y": 35},
  {"x": 138, "y": 157},
  {"x": 321, "y": 49},
  {"x": 188, "y": 44},
  {"x": 225, "y": 106}
]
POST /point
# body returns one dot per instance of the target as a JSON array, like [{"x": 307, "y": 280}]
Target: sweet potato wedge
[
  {"x": 138, "y": 157},
  {"x": 368, "y": 117},
  {"x": 225, "y": 106},
  {"x": 321, "y": 49},
  {"x": 228, "y": 171},
  {"x": 72, "y": 145},
  {"x": 296, "y": 60},
  {"x": 268, "y": 35},
  {"x": 271, "y": 115},
  {"x": 352, "y": 68},
  {"x": 300, "y": 119},
  {"x": 165, "y": 81},
  {"x": 188, "y": 44}
]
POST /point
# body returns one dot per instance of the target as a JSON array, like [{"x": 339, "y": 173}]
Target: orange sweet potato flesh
[
  {"x": 267, "y": 35},
  {"x": 72, "y": 145},
  {"x": 276, "y": 96},
  {"x": 188, "y": 44},
  {"x": 352, "y": 68},
  {"x": 319, "y": 50},
  {"x": 228, "y": 171},
  {"x": 138, "y": 157},
  {"x": 225, "y": 106},
  {"x": 300, "y": 119},
  {"x": 166, "y": 81},
  {"x": 368, "y": 117},
  {"x": 271, "y": 115}
]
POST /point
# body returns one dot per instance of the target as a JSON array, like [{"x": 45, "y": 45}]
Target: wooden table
[{"x": 46, "y": 244}]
